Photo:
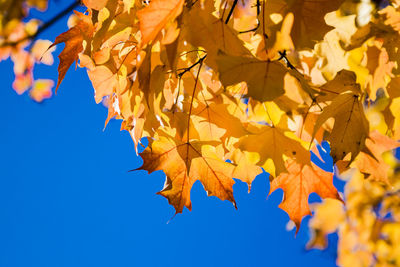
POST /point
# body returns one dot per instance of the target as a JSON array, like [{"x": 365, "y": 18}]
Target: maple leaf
[
  {"x": 371, "y": 161},
  {"x": 245, "y": 166},
  {"x": 309, "y": 25},
  {"x": 264, "y": 78},
  {"x": 41, "y": 52},
  {"x": 103, "y": 81},
  {"x": 95, "y": 4},
  {"x": 344, "y": 81},
  {"x": 41, "y": 90},
  {"x": 217, "y": 115},
  {"x": 178, "y": 72},
  {"x": 186, "y": 162},
  {"x": 220, "y": 37},
  {"x": 156, "y": 16},
  {"x": 273, "y": 145},
  {"x": 73, "y": 39},
  {"x": 297, "y": 184},
  {"x": 328, "y": 216},
  {"x": 23, "y": 71},
  {"x": 350, "y": 129}
]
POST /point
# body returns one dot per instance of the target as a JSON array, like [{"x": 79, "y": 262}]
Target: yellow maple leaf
[{"x": 274, "y": 146}]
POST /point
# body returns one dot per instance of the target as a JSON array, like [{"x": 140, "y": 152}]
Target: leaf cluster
[
  {"x": 218, "y": 102},
  {"x": 18, "y": 32},
  {"x": 224, "y": 89}
]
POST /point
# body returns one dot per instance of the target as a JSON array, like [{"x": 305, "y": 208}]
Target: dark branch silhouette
[{"x": 45, "y": 26}]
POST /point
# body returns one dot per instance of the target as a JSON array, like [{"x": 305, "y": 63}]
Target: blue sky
[{"x": 67, "y": 198}]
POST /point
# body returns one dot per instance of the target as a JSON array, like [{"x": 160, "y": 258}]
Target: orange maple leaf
[
  {"x": 73, "y": 39},
  {"x": 156, "y": 16},
  {"x": 186, "y": 162},
  {"x": 95, "y": 4},
  {"x": 297, "y": 184}
]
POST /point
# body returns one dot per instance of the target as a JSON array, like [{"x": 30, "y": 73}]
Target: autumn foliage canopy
[{"x": 225, "y": 89}]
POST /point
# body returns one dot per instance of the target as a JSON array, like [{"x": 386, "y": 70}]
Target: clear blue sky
[{"x": 67, "y": 199}]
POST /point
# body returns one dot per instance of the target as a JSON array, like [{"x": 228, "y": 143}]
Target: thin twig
[
  {"x": 258, "y": 6},
  {"x": 200, "y": 61},
  {"x": 231, "y": 11}
]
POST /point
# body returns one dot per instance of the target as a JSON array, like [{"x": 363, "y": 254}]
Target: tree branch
[{"x": 46, "y": 25}]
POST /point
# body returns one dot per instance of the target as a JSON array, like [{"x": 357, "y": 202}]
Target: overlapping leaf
[
  {"x": 297, "y": 184},
  {"x": 264, "y": 78},
  {"x": 192, "y": 161},
  {"x": 274, "y": 146},
  {"x": 156, "y": 16},
  {"x": 350, "y": 128},
  {"x": 206, "y": 89}
]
